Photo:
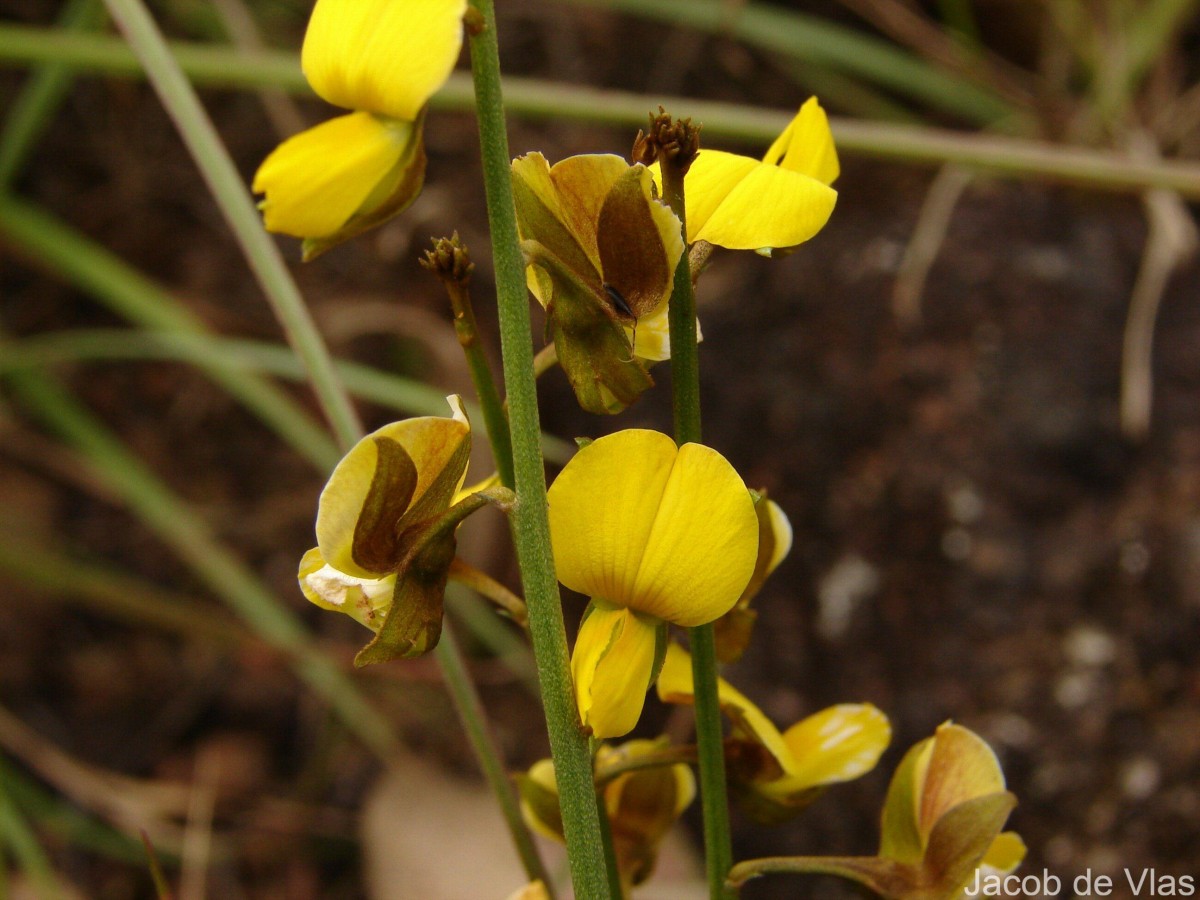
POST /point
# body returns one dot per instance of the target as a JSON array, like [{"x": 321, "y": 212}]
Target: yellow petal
[
  {"x": 652, "y": 340},
  {"x": 701, "y": 551},
  {"x": 769, "y": 207},
  {"x": 431, "y": 442},
  {"x": 960, "y": 767},
  {"x": 839, "y": 743},
  {"x": 611, "y": 667},
  {"x": 602, "y": 507},
  {"x": 667, "y": 532},
  {"x": 382, "y": 56},
  {"x": 675, "y": 685},
  {"x": 781, "y": 530},
  {"x": 1005, "y": 854},
  {"x": 535, "y": 890},
  {"x": 316, "y": 180},
  {"x": 642, "y": 805},
  {"x": 363, "y": 599},
  {"x": 806, "y": 145},
  {"x": 712, "y": 177},
  {"x": 559, "y": 207},
  {"x": 538, "y": 792}
]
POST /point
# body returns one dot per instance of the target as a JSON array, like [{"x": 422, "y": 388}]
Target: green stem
[
  {"x": 457, "y": 282},
  {"x": 685, "y": 401},
  {"x": 529, "y": 518},
  {"x": 470, "y": 712},
  {"x": 225, "y": 183},
  {"x": 487, "y": 587},
  {"x": 668, "y": 756},
  {"x": 718, "y": 842}
]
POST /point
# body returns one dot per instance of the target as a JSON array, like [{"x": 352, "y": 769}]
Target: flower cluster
[
  {"x": 383, "y": 60},
  {"x": 654, "y": 533}
]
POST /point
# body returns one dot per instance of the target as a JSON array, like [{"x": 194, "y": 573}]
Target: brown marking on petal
[
  {"x": 376, "y": 542},
  {"x": 632, "y": 255}
]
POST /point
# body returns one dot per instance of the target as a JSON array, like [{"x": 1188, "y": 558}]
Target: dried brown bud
[
  {"x": 449, "y": 260},
  {"x": 667, "y": 141}
]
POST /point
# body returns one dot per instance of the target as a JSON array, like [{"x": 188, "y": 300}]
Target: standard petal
[
  {"x": 962, "y": 767},
  {"x": 839, "y": 743},
  {"x": 700, "y": 553},
  {"x": 602, "y": 507},
  {"x": 382, "y": 56},
  {"x": 640, "y": 241},
  {"x": 558, "y": 207},
  {"x": 806, "y": 145},
  {"x": 432, "y": 443},
  {"x": 712, "y": 177},
  {"x": 316, "y": 180},
  {"x": 769, "y": 207},
  {"x": 611, "y": 667},
  {"x": 582, "y": 183}
]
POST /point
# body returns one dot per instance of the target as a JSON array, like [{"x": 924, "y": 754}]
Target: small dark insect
[
  {"x": 623, "y": 308},
  {"x": 618, "y": 301}
]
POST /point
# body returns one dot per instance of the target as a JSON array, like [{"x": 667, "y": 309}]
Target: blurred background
[{"x": 976, "y": 394}]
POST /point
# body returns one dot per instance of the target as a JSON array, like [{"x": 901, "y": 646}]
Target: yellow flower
[
  {"x": 653, "y": 534},
  {"x": 602, "y": 252},
  {"x": 733, "y": 629},
  {"x": 783, "y": 200},
  {"x": 385, "y": 532},
  {"x": 641, "y": 804},
  {"x": 384, "y": 60},
  {"x": 945, "y": 807},
  {"x": 535, "y": 890},
  {"x": 941, "y": 823},
  {"x": 783, "y": 773}
]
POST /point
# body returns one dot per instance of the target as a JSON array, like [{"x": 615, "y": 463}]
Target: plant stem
[
  {"x": 470, "y": 712},
  {"x": 225, "y": 183},
  {"x": 685, "y": 402},
  {"x": 529, "y": 518},
  {"x": 486, "y": 586},
  {"x": 450, "y": 261}
]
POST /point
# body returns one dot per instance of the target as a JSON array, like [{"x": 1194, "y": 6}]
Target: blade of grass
[
  {"x": 65, "y": 822},
  {"x": 16, "y": 834},
  {"x": 815, "y": 41},
  {"x": 64, "y": 252},
  {"x": 40, "y": 98},
  {"x": 88, "y": 344},
  {"x": 735, "y": 124},
  {"x": 209, "y": 153},
  {"x": 177, "y": 525},
  {"x": 113, "y": 593}
]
